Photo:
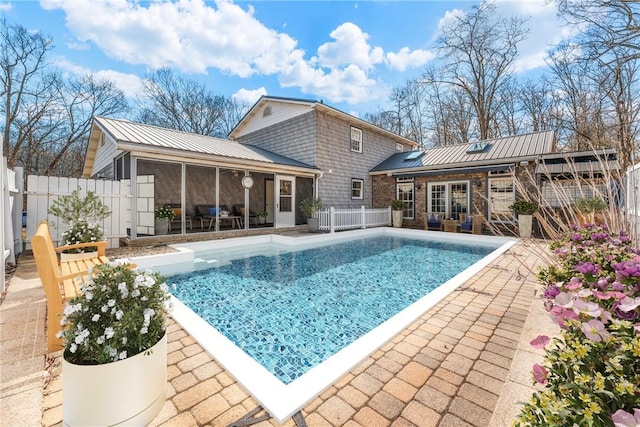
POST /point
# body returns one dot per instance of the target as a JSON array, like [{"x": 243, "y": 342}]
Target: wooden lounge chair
[{"x": 61, "y": 280}]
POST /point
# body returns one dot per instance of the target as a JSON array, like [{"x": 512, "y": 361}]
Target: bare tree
[
  {"x": 479, "y": 50},
  {"x": 538, "y": 104},
  {"x": 610, "y": 41},
  {"x": 27, "y": 90},
  {"x": 232, "y": 113},
  {"x": 178, "y": 103}
]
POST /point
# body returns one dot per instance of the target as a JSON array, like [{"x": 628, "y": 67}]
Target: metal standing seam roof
[
  {"x": 498, "y": 150},
  {"x": 143, "y": 135}
]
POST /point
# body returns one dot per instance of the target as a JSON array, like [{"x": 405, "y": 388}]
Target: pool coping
[{"x": 280, "y": 400}]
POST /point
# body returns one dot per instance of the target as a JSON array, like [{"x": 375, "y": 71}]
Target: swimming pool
[{"x": 298, "y": 313}]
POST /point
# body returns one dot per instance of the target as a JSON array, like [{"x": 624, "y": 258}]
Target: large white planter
[
  {"x": 127, "y": 392},
  {"x": 525, "y": 223},
  {"x": 313, "y": 224},
  {"x": 396, "y": 218}
]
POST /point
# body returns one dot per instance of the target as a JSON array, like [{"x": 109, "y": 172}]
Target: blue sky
[{"x": 348, "y": 54}]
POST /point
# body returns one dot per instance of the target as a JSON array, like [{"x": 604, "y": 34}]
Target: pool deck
[{"x": 465, "y": 362}]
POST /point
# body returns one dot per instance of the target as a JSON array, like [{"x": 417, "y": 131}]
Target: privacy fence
[{"x": 42, "y": 191}]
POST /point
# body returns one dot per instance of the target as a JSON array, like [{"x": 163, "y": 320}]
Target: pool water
[{"x": 291, "y": 310}]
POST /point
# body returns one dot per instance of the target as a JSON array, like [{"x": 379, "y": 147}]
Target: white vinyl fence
[
  {"x": 43, "y": 190},
  {"x": 333, "y": 219},
  {"x": 10, "y": 215},
  {"x": 633, "y": 202}
]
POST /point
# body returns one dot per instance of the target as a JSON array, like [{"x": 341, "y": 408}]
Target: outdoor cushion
[
  {"x": 433, "y": 220},
  {"x": 177, "y": 212},
  {"x": 213, "y": 211},
  {"x": 468, "y": 223}
]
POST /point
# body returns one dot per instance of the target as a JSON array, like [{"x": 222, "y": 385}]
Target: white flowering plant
[
  {"x": 120, "y": 313},
  {"x": 82, "y": 232}
]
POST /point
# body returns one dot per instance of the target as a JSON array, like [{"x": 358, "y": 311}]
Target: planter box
[{"x": 127, "y": 392}]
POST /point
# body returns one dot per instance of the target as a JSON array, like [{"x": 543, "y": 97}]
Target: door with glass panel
[
  {"x": 450, "y": 198},
  {"x": 285, "y": 201}
]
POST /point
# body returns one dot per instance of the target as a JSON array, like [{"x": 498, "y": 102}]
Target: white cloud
[
  {"x": 6, "y": 7},
  {"x": 130, "y": 84},
  {"x": 405, "y": 58},
  {"x": 186, "y": 35},
  {"x": 449, "y": 18},
  {"x": 249, "y": 97},
  {"x": 350, "y": 47}
]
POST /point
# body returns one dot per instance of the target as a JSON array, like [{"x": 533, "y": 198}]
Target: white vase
[
  {"x": 525, "y": 223},
  {"x": 127, "y": 392},
  {"x": 396, "y": 217},
  {"x": 161, "y": 226}
]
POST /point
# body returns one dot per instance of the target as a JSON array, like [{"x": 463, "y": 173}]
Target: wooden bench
[{"x": 61, "y": 280}]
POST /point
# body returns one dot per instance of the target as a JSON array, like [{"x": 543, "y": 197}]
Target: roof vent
[
  {"x": 477, "y": 147},
  {"x": 413, "y": 155}
]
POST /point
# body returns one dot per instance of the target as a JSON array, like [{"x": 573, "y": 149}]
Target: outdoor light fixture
[{"x": 478, "y": 183}]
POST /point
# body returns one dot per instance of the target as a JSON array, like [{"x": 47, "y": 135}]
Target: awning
[
  {"x": 581, "y": 167},
  {"x": 472, "y": 169}
]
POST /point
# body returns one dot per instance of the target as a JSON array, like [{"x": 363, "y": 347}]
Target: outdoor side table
[{"x": 450, "y": 225}]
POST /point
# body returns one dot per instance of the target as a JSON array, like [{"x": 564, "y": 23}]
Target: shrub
[
  {"x": 120, "y": 313},
  {"x": 524, "y": 207},
  {"x": 310, "y": 206},
  {"x": 397, "y": 205},
  {"x": 164, "y": 212},
  {"x": 591, "y": 373}
]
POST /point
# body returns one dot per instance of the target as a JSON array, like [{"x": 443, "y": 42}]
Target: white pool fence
[{"x": 333, "y": 219}]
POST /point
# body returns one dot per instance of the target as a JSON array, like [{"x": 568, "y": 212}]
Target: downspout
[{"x": 317, "y": 186}]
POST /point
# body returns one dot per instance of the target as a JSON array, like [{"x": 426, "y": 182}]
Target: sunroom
[{"x": 206, "y": 184}]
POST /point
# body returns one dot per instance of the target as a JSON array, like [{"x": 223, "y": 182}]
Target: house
[
  {"x": 283, "y": 151},
  {"x": 480, "y": 177},
  {"x": 342, "y": 147}
]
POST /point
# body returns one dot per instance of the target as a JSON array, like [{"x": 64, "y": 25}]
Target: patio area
[{"x": 465, "y": 362}]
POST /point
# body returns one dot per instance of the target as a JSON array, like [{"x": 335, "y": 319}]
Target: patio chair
[
  {"x": 239, "y": 210},
  {"x": 471, "y": 223},
  {"x": 177, "y": 217},
  {"x": 433, "y": 221}
]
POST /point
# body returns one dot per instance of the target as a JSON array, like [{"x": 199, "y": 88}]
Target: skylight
[
  {"x": 413, "y": 155},
  {"x": 477, "y": 147}
]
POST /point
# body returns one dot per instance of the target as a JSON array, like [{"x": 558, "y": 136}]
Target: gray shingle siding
[
  {"x": 293, "y": 138},
  {"x": 324, "y": 141}
]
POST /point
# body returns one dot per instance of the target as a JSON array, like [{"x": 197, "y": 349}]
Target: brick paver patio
[{"x": 446, "y": 369}]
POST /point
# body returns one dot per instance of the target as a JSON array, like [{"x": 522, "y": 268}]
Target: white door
[{"x": 285, "y": 201}]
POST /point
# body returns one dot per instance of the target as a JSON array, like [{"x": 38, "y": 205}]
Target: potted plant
[
  {"x": 80, "y": 215},
  {"x": 589, "y": 209},
  {"x": 114, "y": 367},
  {"x": 396, "y": 212},
  {"x": 524, "y": 209},
  {"x": 162, "y": 215},
  {"x": 309, "y": 208},
  {"x": 262, "y": 216}
]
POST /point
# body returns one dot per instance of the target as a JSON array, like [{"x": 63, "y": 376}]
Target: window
[
  {"x": 356, "y": 140},
  {"x": 404, "y": 192},
  {"x": 561, "y": 193},
  {"x": 357, "y": 186},
  {"x": 450, "y": 198},
  {"x": 266, "y": 112},
  {"x": 501, "y": 196},
  {"x": 399, "y": 147}
]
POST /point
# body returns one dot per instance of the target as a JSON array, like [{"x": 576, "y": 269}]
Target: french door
[
  {"x": 285, "y": 201},
  {"x": 450, "y": 198}
]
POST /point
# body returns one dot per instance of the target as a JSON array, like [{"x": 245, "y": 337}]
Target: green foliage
[
  {"x": 591, "y": 374},
  {"x": 524, "y": 207},
  {"x": 262, "y": 214},
  {"x": 82, "y": 232},
  {"x": 310, "y": 206},
  {"x": 120, "y": 313},
  {"x": 588, "y": 205},
  {"x": 74, "y": 208},
  {"x": 164, "y": 212},
  {"x": 397, "y": 205}
]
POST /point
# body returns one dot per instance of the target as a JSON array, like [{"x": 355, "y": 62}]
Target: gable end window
[
  {"x": 357, "y": 186},
  {"x": 356, "y": 139}
]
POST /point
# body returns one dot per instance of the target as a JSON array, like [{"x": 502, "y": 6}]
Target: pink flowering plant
[
  {"x": 591, "y": 373},
  {"x": 120, "y": 313}
]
